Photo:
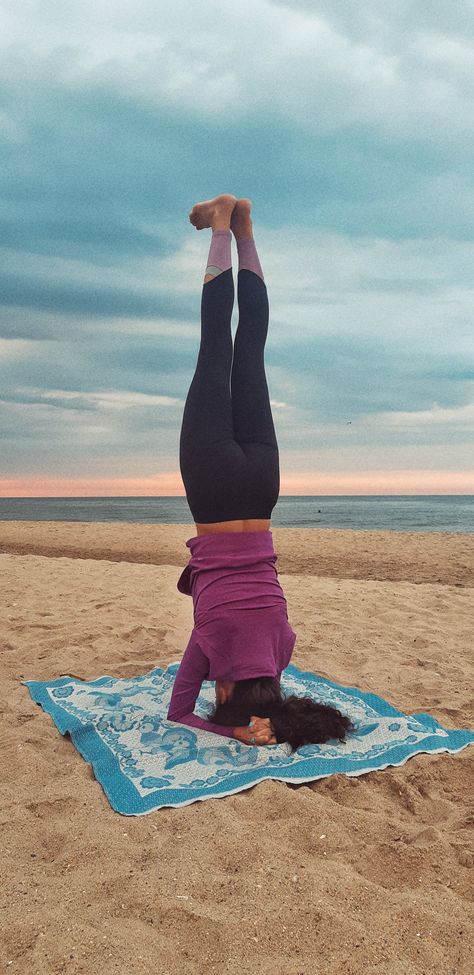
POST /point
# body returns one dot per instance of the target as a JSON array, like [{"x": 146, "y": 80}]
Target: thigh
[
  {"x": 263, "y": 478},
  {"x": 215, "y": 480}
]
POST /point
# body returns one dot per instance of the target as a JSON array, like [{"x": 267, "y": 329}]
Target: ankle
[
  {"x": 242, "y": 229},
  {"x": 220, "y": 220}
]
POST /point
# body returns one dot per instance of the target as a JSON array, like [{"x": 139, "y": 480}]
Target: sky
[{"x": 350, "y": 125}]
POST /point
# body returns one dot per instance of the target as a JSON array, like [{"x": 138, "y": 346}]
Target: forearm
[
  {"x": 194, "y": 721},
  {"x": 260, "y": 735}
]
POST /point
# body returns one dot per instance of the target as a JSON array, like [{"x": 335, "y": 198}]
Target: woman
[{"x": 229, "y": 463}]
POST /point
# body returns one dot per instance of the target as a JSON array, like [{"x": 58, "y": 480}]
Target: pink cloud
[
  {"x": 379, "y": 482},
  {"x": 170, "y": 484}
]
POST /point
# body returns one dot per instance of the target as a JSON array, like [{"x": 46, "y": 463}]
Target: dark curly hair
[{"x": 296, "y": 720}]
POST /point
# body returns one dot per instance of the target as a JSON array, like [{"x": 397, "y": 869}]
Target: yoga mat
[{"x": 144, "y": 762}]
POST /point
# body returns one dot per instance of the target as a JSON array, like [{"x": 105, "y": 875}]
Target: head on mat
[
  {"x": 293, "y": 719},
  {"x": 229, "y": 462}
]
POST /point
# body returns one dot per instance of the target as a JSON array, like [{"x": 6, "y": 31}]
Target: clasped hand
[{"x": 258, "y": 732}]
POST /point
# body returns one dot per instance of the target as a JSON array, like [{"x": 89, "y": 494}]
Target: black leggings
[{"x": 228, "y": 449}]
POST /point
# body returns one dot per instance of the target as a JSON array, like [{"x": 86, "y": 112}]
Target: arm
[{"x": 194, "y": 668}]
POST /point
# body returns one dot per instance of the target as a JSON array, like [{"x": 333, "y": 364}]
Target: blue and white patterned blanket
[{"x": 144, "y": 762}]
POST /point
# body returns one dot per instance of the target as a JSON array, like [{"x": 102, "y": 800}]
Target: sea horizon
[{"x": 396, "y": 512}]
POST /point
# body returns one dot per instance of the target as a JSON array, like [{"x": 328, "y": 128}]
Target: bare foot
[
  {"x": 214, "y": 213},
  {"x": 241, "y": 222}
]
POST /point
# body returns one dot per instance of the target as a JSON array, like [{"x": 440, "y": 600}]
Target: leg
[
  {"x": 252, "y": 415},
  {"x": 212, "y": 463}
]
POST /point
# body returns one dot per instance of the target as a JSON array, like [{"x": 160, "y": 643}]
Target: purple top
[{"x": 241, "y": 626}]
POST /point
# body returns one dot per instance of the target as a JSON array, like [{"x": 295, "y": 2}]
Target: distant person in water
[{"x": 229, "y": 463}]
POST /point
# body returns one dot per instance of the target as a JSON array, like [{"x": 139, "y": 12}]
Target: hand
[{"x": 258, "y": 732}]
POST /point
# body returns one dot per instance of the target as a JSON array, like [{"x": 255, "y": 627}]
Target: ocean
[{"x": 434, "y": 513}]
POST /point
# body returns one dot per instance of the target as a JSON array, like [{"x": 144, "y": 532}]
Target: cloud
[
  {"x": 344, "y": 352},
  {"x": 396, "y": 72},
  {"x": 351, "y": 127},
  {"x": 89, "y": 296},
  {"x": 461, "y": 417},
  {"x": 111, "y": 399},
  {"x": 362, "y": 123}
]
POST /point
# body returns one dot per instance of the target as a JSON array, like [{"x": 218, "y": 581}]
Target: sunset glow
[{"x": 170, "y": 485}]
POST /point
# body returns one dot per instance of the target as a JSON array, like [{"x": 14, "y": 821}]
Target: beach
[{"x": 356, "y": 875}]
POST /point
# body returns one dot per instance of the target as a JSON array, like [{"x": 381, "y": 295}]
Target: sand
[{"x": 364, "y": 875}]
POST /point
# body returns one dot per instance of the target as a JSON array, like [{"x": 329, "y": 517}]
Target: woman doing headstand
[{"x": 229, "y": 463}]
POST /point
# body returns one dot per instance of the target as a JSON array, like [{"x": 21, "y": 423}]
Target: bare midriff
[{"x": 247, "y": 525}]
